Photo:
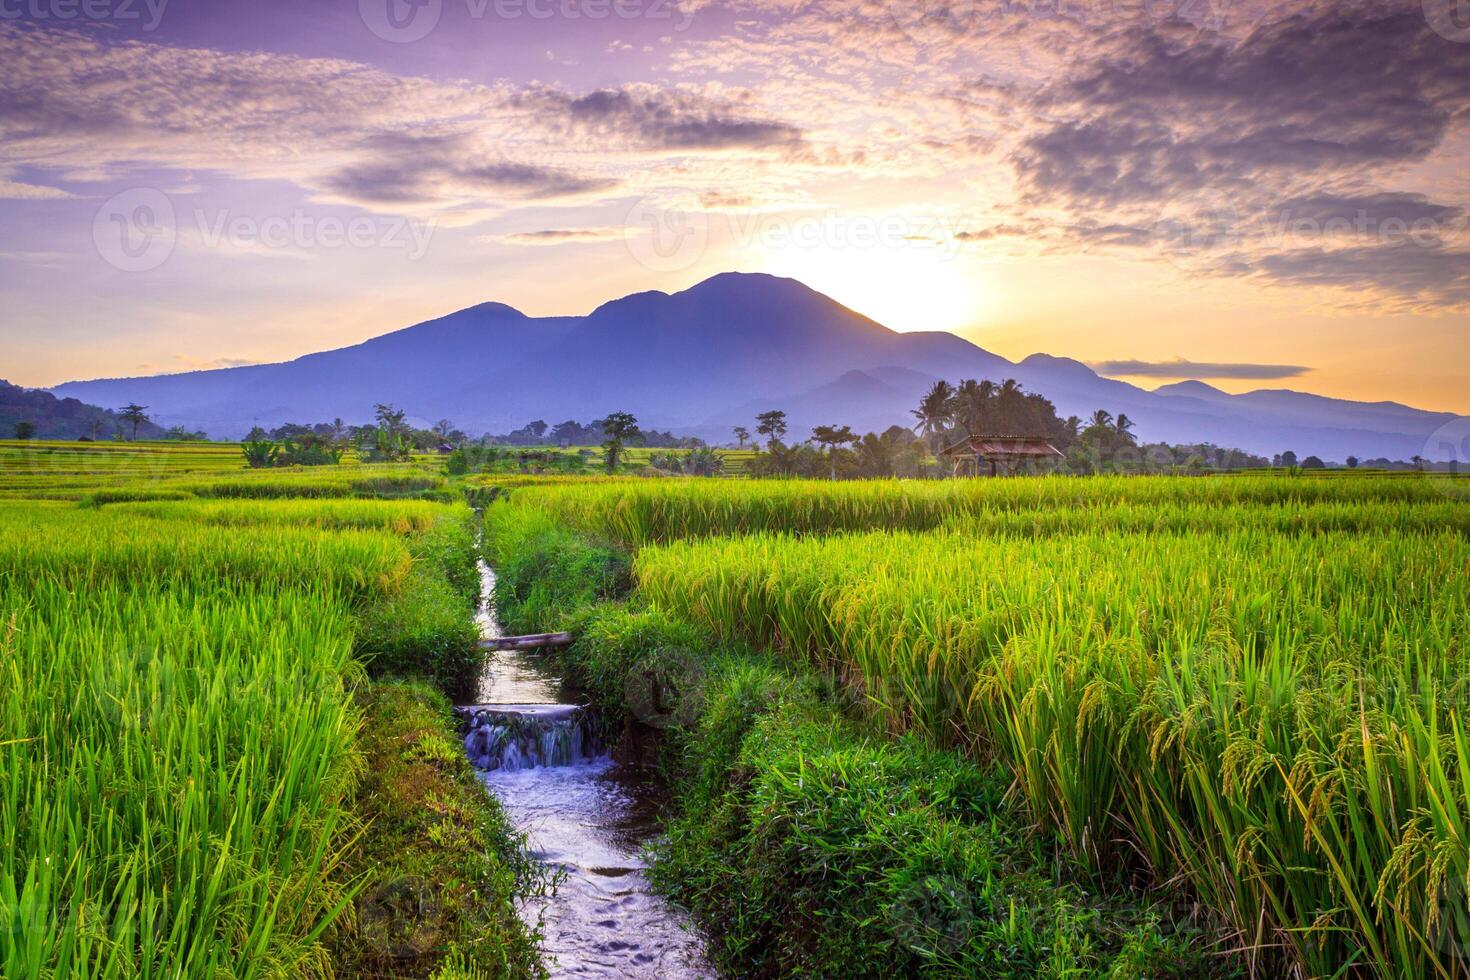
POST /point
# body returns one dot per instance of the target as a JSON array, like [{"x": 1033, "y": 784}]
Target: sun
[{"x": 907, "y": 287}]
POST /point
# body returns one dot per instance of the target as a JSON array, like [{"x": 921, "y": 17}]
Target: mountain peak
[
  {"x": 1197, "y": 389},
  {"x": 1063, "y": 365}
]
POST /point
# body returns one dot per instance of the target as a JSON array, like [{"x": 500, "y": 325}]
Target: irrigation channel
[{"x": 584, "y": 814}]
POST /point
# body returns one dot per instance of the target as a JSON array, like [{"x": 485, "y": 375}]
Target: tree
[
  {"x": 973, "y": 406},
  {"x": 935, "y": 412},
  {"x": 1313, "y": 463},
  {"x": 1288, "y": 459},
  {"x": 830, "y": 437},
  {"x": 1352, "y": 462},
  {"x": 95, "y": 427},
  {"x": 617, "y": 428},
  {"x": 135, "y": 415},
  {"x": 741, "y": 434},
  {"x": 1122, "y": 427},
  {"x": 772, "y": 425},
  {"x": 390, "y": 418},
  {"x": 25, "y": 430},
  {"x": 1418, "y": 461}
]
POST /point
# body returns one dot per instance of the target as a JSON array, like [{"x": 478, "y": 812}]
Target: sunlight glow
[{"x": 908, "y": 287}]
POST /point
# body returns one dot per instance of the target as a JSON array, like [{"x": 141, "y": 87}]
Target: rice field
[
  {"x": 1248, "y": 688},
  {"x": 633, "y": 514},
  {"x": 179, "y": 732}
]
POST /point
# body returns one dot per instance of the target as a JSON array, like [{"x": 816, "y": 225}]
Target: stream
[{"x": 584, "y": 815}]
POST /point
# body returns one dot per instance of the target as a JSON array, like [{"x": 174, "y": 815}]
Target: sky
[{"x": 1254, "y": 194}]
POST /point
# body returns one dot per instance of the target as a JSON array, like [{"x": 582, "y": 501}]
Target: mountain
[
  {"x": 61, "y": 418},
  {"x": 711, "y": 356}
]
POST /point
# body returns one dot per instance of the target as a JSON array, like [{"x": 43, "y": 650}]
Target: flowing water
[{"x": 584, "y": 815}]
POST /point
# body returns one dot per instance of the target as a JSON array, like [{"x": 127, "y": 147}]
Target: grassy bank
[
  {"x": 438, "y": 869},
  {"x": 807, "y": 841}
]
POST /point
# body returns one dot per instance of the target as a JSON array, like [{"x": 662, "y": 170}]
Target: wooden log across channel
[{"x": 531, "y": 641}]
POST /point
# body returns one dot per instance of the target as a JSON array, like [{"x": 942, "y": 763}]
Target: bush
[
  {"x": 424, "y": 630},
  {"x": 809, "y": 849},
  {"x": 546, "y": 574},
  {"x": 427, "y": 628}
]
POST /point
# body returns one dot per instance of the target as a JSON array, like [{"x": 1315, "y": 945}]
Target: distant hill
[
  {"x": 704, "y": 359},
  {"x": 61, "y": 418}
]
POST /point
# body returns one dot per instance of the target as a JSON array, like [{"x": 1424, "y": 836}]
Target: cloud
[
  {"x": 94, "y": 109},
  {"x": 646, "y": 117},
  {"x": 1228, "y": 155},
  {"x": 18, "y": 191},
  {"x": 558, "y": 236},
  {"x": 407, "y": 171},
  {"x": 1180, "y": 368}
]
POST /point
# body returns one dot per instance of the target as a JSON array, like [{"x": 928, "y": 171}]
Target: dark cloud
[
  {"x": 662, "y": 119},
  {"x": 1370, "y": 209},
  {"x": 1431, "y": 277},
  {"x": 1228, "y": 151},
  {"x": 556, "y": 236},
  {"x": 1181, "y": 368},
  {"x": 411, "y": 170}
]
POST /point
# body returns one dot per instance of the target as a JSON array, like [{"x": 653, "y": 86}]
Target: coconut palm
[
  {"x": 1121, "y": 429},
  {"x": 936, "y": 411}
]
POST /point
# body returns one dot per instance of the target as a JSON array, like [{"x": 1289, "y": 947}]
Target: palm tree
[
  {"x": 135, "y": 414},
  {"x": 1121, "y": 429},
  {"x": 973, "y": 405},
  {"x": 1102, "y": 419},
  {"x": 935, "y": 412}
]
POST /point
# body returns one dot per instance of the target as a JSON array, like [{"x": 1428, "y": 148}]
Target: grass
[
  {"x": 1247, "y": 691},
  {"x": 440, "y": 870},
  {"x": 634, "y": 514},
  {"x": 197, "y": 778}
]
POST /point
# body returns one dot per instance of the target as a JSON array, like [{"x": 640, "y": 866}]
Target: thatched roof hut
[{"x": 1009, "y": 452}]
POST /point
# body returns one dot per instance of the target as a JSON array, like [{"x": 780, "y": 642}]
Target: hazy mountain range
[{"x": 707, "y": 358}]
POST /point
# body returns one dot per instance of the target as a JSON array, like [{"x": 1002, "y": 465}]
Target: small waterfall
[
  {"x": 510, "y": 737},
  {"x": 583, "y": 814}
]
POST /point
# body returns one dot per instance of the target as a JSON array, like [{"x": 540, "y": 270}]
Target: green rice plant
[
  {"x": 1273, "y": 718},
  {"x": 643, "y": 512},
  {"x": 175, "y": 765},
  {"x": 398, "y": 516}
]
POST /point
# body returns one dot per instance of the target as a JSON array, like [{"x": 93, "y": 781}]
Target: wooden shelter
[{"x": 1009, "y": 452}]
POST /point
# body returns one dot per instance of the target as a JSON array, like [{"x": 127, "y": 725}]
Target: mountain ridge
[{"x": 697, "y": 361}]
